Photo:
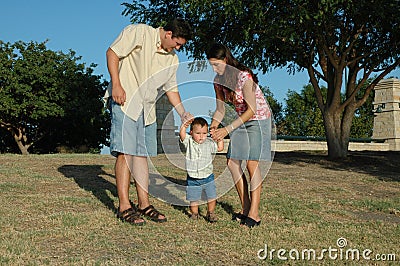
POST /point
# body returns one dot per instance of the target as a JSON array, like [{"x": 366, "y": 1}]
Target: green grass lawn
[{"x": 60, "y": 210}]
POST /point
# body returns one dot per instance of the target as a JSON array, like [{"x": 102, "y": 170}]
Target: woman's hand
[
  {"x": 218, "y": 134},
  {"x": 212, "y": 130}
]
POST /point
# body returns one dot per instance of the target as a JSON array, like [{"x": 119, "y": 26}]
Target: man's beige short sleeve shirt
[{"x": 144, "y": 68}]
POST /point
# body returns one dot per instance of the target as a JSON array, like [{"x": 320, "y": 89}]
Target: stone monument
[
  {"x": 387, "y": 113},
  {"x": 167, "y": 140}
]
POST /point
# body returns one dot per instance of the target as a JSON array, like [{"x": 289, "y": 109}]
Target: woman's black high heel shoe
[{"x": 249, "y": 222}]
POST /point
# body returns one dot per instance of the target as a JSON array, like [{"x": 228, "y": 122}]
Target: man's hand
[
  {"x": 119, "y": 95},
  {"x": 187, "y": 118}
]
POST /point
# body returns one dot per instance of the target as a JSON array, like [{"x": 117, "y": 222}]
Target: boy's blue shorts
[{"x": 195, "y": 187}]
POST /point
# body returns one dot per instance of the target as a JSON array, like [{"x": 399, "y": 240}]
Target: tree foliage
[
  {"x": 363, "y": 121},
  {"x": 335, "y": 41},
  {"x": 47, "y": 99},
  {"x": 304, "y": 118},
  {"x": 302, "y": 115},
  {"x": 276, "y": 107}
]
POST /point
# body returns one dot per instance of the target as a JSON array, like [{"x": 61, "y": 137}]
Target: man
[{"x": 140, "y": 61}]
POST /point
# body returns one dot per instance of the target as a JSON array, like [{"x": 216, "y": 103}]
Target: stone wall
[
  {"x": 386, "y": 125},
  {"x": 299, "y": 145}
]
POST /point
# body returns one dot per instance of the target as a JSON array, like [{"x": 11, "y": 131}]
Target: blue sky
[{"x": 89, "y": 26}]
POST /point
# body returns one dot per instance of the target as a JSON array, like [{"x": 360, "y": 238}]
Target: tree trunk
[
  {"x": 20, "y": 139},
  {"x": 22, "y": 148},
  {"x": 337, "y": 128},
  {"x": 19, "y": 136}
]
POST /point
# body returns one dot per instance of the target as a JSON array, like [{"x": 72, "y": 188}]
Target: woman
[{"x": 250, "y": 131}]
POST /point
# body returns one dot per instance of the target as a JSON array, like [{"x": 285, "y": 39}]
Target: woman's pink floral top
[{"x": 263, "y": 111}]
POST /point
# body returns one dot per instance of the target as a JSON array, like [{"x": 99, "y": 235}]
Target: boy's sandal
[
  {"x": 151, "y": 213},
  {"x": 211, "y": 217},
  {"x": 131, "y": 216},
  {"x": 194, "y": 216},
  {"x": 249, "y": 222}
]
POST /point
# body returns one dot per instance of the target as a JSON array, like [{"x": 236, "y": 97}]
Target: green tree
[
  {"x": 47, "y": 99},
  {"x": 304, "y": 118},
  {"x": 85, "y": 125},
  {"x": 325, "y": 38},
  {"x": 363, "y": 121},
  {"x": 276, "y": 107},
  {"x": 7, "y": 143},
  {"x": 302, "y": 115}
]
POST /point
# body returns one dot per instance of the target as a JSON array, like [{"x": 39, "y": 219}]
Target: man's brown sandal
[
  {"x": 131, "y": 215},
  {"x": 151, "y": 213}
]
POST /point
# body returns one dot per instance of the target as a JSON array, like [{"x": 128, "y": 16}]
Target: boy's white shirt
[{"x": 199, "y": 157}]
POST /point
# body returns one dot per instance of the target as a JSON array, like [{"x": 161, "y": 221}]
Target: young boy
[{"x": 199, "y": 156}]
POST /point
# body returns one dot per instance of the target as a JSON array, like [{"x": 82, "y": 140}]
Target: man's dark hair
[
  {"x": 198, "y": 121},
  {"x": 180, "y": 28}
]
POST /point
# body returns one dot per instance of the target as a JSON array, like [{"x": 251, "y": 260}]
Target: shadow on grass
[
  {"x": 228, "y": 208},
  {"x": 183, "y": 209},
  {"x": 167, "y": 189},
  {"x": 89, "y": 178},
  {"x": 382, "y": 165}
]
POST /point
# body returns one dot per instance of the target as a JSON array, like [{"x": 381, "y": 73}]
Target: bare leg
[
  {"x": 255, "y": 189},
  {"x": 240, "y": 183},
  {"x": 194, "y": 207},
  {"x": 211, "y": 216},
  {"x": 122, "y": 176},
  {"x": 140, "y": 171},
  {"x": 211, "y": 205}
]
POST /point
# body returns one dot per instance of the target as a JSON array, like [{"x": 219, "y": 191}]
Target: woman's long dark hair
[{"x": 229, "y": 78}]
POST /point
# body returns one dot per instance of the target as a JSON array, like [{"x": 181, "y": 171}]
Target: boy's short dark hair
[
  {"x": 180, "y": 28},
  {"x": 198, "y": 121}
]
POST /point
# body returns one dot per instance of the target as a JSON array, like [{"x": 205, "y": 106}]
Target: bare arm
[
  {"x": 118, "y": 93},
  {"x": 175, "y": 99},
  {"x": 249, "y": 96},
  {"x": 220, "y": 145},
  {"x": 182, "y": 131},
  {"x": 219, "y": 111}
]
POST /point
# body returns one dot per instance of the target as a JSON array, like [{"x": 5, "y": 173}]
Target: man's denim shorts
[
  {"x": 195, "y": 187},
  {"x": 128, "y": 136}
]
